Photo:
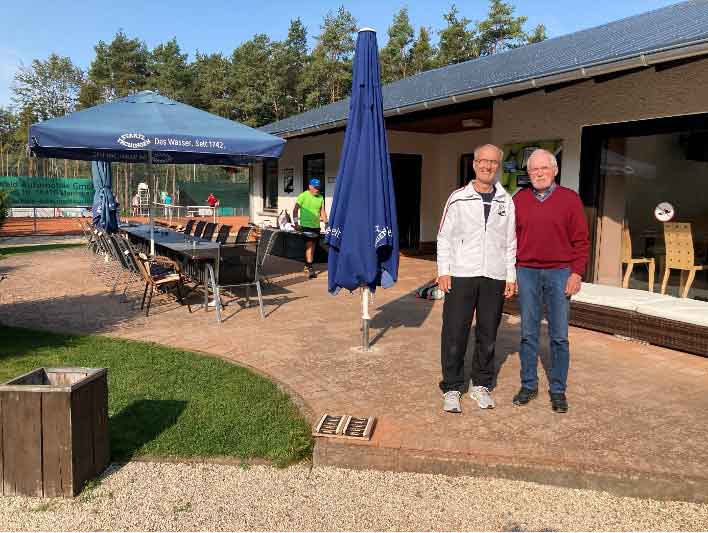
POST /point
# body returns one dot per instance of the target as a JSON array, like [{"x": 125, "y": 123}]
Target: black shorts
[{"x": 311, "y": 234}]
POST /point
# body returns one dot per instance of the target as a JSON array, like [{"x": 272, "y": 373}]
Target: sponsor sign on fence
[{"x": 33, "y": 190}]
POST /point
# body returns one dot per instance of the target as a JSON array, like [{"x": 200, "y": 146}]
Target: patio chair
[
  {"x": 242, "y": 265},
  {"x": 208, "y": 231},
  {"x": 132, "y": 269},
  {"x": 160, "y": 274},
  {"x": 244, "y": 234},
  {"x": 188, "y": 228},
  {"x": 631, "y": 261},
  {"x": 223, "y": 234},
  {"x": 680, "y": 255},
  {"x": 199, "y": 229}
]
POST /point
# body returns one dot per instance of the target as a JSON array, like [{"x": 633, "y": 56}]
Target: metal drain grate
[
  {"x": 329, "y": 426},
  {"x": 344, "y": 426},
  {"x": 358, "y": 428}
]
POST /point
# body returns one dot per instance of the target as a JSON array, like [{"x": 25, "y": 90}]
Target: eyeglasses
[
  {"x": 539, "y": 169},
  {"x": 490, "y": 162}
]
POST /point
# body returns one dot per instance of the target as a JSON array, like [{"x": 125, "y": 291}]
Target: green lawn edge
[
  {"x": 12, "y": 250},
  {"x": 165, "y": 402}
]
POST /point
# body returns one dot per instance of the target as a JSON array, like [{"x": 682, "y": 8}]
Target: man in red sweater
[{"x": 552, "y": 252}]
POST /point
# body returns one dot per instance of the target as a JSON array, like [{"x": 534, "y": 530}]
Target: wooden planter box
[{"x": 54, "y": 427}]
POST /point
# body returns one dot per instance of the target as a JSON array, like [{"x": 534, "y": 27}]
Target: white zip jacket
[{"x": 467, "y": 247}]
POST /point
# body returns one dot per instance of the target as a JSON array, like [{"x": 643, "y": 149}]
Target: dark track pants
[{"x": 486, "y": 297}]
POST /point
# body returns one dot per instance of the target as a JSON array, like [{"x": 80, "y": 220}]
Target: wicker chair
[
  {"x": 680, "y": 255},
  {"x": 208, "y": 231},
  {"x": 188, "y": 228},
  {"x": 244, "y": 234},
  {"x": 631, "y": 261},
  {"x": 199, "y": 229},
  {"x": 223, "y": 234}
]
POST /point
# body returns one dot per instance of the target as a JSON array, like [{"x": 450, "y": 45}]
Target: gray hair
[
  {"x": 540, "y": 151},
  {"x": 480, "y": 148}
]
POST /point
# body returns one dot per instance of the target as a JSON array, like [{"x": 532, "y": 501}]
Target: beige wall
[
  {"x": 536, "y": 116},
  {"x": 562, "y": 114}
]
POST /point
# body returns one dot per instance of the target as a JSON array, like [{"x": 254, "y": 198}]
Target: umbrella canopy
[
  {"x": 105, "y": 209},
  {"x": 363, "y": 233},
  {"x": 148, "y": 127}
]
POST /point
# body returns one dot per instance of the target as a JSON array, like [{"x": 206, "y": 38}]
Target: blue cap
[{"x": 315, "y": 183}]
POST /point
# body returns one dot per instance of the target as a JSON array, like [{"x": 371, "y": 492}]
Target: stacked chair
[{"x": 117, "y": 264}]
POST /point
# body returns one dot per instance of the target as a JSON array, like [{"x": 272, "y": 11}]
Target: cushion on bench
[
  {"x": 678, "y": 309},
  {"x": 617, "y": 297}
]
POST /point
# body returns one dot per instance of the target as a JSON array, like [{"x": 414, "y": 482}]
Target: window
[
  {"x": 313, "y": 166},
  {"x": 270, "y": 184},
  {"x": 466, "y": 169}
]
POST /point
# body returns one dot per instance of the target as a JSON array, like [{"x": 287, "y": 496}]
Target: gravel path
[{"x": 195, "y": 497}]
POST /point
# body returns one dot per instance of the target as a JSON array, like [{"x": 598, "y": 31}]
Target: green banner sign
[{"x": 53, "y": 192}]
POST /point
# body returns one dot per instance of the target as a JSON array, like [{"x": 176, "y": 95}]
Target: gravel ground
[{"x": 195, "y": 497}]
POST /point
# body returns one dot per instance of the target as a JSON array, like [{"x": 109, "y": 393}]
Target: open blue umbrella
[
  {"x": 147, "y": 127},
  {"x": 363, "y": 233},
  {"x": 104, "y": 209}
]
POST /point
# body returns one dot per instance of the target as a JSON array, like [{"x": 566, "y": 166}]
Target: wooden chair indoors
[
  {"x": 631, "y": 261},
  {"x": 680, "y": 255}
]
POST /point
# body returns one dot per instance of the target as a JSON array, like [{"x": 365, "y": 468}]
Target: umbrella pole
[
  {"x": 152, "y": 224},
  {"x": 365, "y": 317}
]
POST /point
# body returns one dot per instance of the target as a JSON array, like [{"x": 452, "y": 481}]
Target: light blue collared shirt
[{"x": 542, "y": 197}]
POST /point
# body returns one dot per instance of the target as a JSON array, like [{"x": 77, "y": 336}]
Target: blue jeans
[{"x": 539, "y": 288}]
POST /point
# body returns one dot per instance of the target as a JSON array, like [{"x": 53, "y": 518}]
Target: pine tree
[
  {"x": 295, "y": 63},
  {"x": 422, "y": 53},
  {"x": 395, "y": 57},
  {"x": 212, "y": 88},
  {"x": 501, "y": 30},
  {"x": 119, "y": 69},
  {"x": 537, "y": 35},
  {"x": 170, "y": 74},
  {"x": 457, "y": 43},
  {"x": 332, "y": 57},
  {"x": 252, "y": 82}
]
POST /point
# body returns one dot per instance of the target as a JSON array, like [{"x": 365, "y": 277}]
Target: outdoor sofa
[{"x": 660, "y": 319}]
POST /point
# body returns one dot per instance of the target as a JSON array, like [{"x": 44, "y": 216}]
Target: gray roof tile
[{"x": 668, "y": 27}]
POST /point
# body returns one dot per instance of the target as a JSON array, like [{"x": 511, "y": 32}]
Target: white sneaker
[
  {"x": 451, "y": 401},
  {"x": 482, "y": 397}
]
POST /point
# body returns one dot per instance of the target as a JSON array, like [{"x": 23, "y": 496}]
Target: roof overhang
[{"x": 589, "y": 71}]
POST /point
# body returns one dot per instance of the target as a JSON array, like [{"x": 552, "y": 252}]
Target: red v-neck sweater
[{"x": 552, "y": 233}]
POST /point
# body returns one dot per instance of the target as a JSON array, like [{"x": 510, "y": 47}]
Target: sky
[{"x": 73, "y": 27}]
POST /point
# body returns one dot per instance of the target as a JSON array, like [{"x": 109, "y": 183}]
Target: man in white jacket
[{"x": 476, "y": 270}]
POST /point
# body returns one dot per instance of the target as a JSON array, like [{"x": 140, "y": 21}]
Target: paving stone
[{"x": 638, "y": 413}]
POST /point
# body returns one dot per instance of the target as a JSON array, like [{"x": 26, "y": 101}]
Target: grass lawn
[
  {"x": 35, "y": 248},
  {"x": 167, "y": 402}
]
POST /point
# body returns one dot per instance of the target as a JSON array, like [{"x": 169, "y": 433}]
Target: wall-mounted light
[{"x": 472, "y": 123}]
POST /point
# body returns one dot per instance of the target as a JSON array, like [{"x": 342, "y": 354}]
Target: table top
[{"x": 175, "y": 241}]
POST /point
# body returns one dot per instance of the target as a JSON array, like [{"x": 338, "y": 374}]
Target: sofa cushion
[
  {"x": 678, "y": 309},
  {"x": 617, "y": 297}
]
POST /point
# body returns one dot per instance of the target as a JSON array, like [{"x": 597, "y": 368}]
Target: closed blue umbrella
[
  {"x": 363, "y": 233},
  {"x": 105, "y": 210}
]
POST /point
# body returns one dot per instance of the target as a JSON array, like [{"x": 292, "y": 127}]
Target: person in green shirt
[{"x": 311, "y": 210}]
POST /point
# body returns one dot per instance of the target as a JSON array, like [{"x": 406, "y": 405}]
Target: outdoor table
[{"x": 190, "y": 251}]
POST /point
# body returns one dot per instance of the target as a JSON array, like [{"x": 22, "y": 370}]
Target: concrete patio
[{"x": 638, "y": 420}]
